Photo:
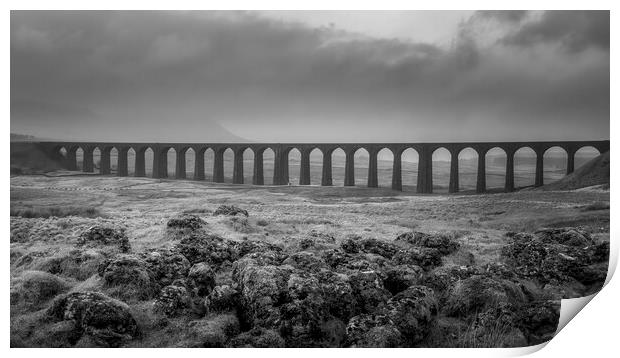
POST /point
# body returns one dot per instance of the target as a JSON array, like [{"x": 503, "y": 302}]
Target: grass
[
  {"x": 55, "y": 211},
  {"x": 599, "y": 205}
]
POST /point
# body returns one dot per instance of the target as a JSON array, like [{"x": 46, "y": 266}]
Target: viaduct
[{"x": 280, "y": 177}]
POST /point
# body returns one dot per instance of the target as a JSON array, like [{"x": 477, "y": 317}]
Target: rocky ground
[{"x": 103, "y": 261}]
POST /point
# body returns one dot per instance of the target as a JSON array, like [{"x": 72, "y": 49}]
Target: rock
[
  {"x": 33, "y": 288},
  {"x": 103, "y": 235},
  {"x": 257, "y": 338},
  {"x": 229, "y": 210},
  {"x": 444, "y": 243},
  {"x": 479, "y": 292},
  {"x": 337, "y": 294},
  {"x": 306, "y": 261},
  {"x": 107, "y": 321},
  {"x": 539, "y": 320},
  {"x": 368, "y": 290},
  {"x": 167, "y": 266},
  {"x": 201, "y": 247},
  {"x": 336, "y": 257},
  {"x": 201, "y": 279},
  {"x": 262, "y": 288},
  {"x": 443, "y": 278},
  {"x": 172, "y": 301},
  {"x": 221, "y": 299},
  {"x": 212, "y": 332},
  {"x": 427, "y": 258},
  {"x": 412, "y": 312},
  {"x": 566, "y": 236},
  {"x": 128, "y": 277},
  {"x": 399, "y": 278},
  {"x": 372, "y": 331},
  {"x": 185, "y": 221},
  {"x": 357, "y": 244},
  {"x": 253, "y": 246},
  {"x": 303, "y": 315}
]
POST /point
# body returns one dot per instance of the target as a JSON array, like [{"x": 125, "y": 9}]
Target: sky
[{"x": 310, "y": 76}]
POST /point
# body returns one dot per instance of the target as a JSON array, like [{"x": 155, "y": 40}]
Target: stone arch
[
  {"x": 385, "y": 167},
  {"x": 131, "y": 161},
  {"x": 468, "y": 168},
  {"x": 97, "y": 160},
  {"x": 361, "y": 159},
  {"x": 293, "y": 157},
  {"x": 316, "y": 165},
  {"x": 190, "y": 161},
  {"x": 209, "y": 159},
  {"x": 248, "y": 164},
  {"x": 496, "y": 160},
  {"x": 79, "y": 157},
  {"x": 229, "y": 160},
  {"x": 585, "y": 154},
  {"x": 524, "y": 167},
  {"x": 409, "y": 159},
  {"x": 338, "y": 156},
  {"x": 149, "y": 153},
  {"x": 555, "y": 161},
  {"x": 441, "y": 157},
  {"x": 269, "y": 157}
]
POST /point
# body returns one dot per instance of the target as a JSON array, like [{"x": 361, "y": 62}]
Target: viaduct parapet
[{"x": 281, "y": 172}]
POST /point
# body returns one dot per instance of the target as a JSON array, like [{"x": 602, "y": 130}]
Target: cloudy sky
[{"x": 313, "y": 76}]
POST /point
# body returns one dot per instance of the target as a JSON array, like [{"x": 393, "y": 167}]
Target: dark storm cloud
[
  {"x": 270, "y": 80},
  {"x": 574, "y": 30},
  {"x": 503, "y": 15}
]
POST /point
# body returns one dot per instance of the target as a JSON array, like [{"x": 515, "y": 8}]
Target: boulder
[
  {"x": 212, "y": 332},
  {"x": 222, "y": 299},
  {"x": 372, "y": 331},
  {"x": 368, "y": 291},
  {"x": 253, "y": 246},
  {"x": 306, "y": 261},
  {"x": 357, "y": 244},
  {"x": 337, "y": 294},
  {"x": 444, "y": 243},
  {"x": 413, "y": 311},
  {"x": 229, "y": 210},
  {"x": 104, "y": 235},
  {"x": 128, "y": 277},
  {"x": 212, "y": 249},
  {"x": 566, "y": 236},
  {"x": 167, "y": 266},
  {"x": 539, "y": 320},
  {"x": 172, "y": 301},
  {"x": 108, "y": 322},
  {"x": 201, "y": 279},
  {"x": 185, "y": 221},
  {"x": 398, "y": 278},
  {"x": 427, "y": 258}
]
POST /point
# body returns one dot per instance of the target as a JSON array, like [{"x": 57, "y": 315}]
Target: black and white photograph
[{"x": 305, "y": 178}]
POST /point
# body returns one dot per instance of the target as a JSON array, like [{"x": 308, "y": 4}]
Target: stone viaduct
[{"x": 282, "y": 150}]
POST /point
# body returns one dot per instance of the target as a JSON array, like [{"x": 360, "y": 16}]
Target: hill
[{"x": 594, "y": 172}]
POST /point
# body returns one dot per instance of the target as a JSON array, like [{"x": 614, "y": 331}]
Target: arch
[
  {"x": 79, "y": 158},
  {"x": 524, "y": 167},
  {"x": 585, "y": 154},
  {"x": 131, "y": 161},
  {"x": 361, "y": 158},
  {"x": 555, "y": 160},
  {"x": 170, "y": 161},
  {"x": 97, "y": 160},
  {"x": 114, "y": 160},
  {"x": 495, "y": 168},
  {"x": 468, "y": 168},
  {"x": 148, "y": 162},
  {"x": 441, "y": 169},
  {"x": 209, "y": 158},
  {"x": 269, "y": 157},
  {"x": 385, "y": 166},
  {"x": 229, "y": 160},
  {"x": 248, "y": 165},
  {"x": 338, "y": 156},
  {"x": 316, "y": 165},
  {"x": 409, "y": 168},
  {"x": 294, "y": 165},
  {"x": 190, "y": 162}
]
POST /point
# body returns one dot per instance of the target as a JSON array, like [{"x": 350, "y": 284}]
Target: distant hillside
[
  {"x": 594, "y": 172},
  {"x": 16, "y": 137}
]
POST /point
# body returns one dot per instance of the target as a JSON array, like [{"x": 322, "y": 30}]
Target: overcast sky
[{"x": 311, "y": 76}]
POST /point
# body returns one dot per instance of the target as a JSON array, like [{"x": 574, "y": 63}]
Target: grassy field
[{"x": 49, "y": 215}]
